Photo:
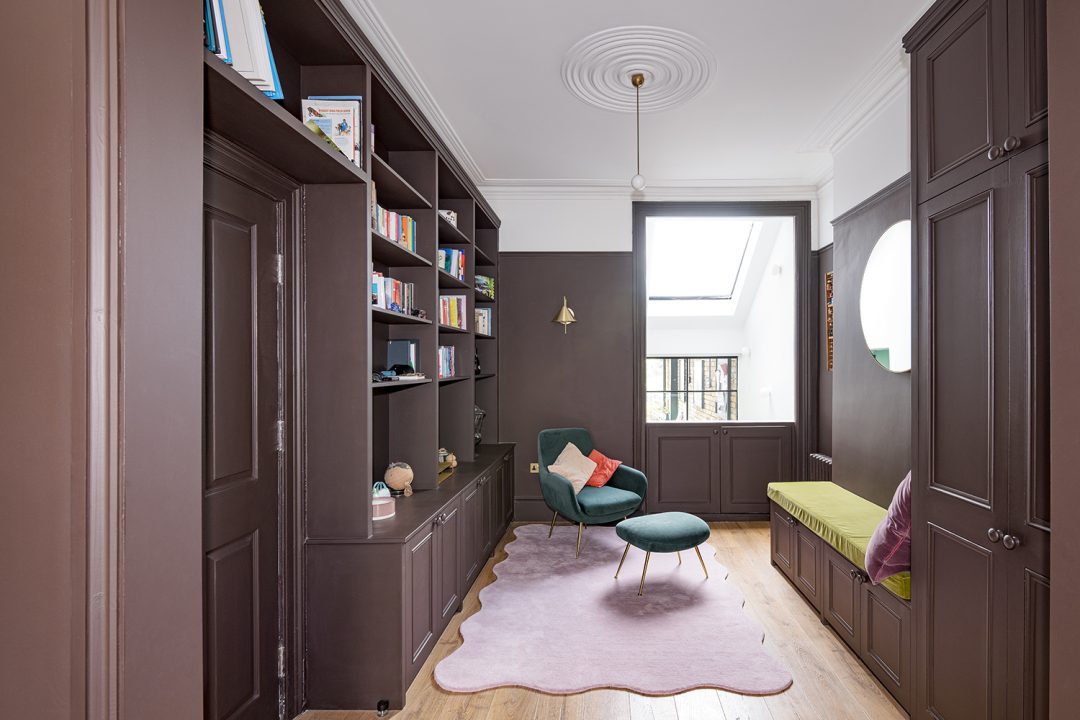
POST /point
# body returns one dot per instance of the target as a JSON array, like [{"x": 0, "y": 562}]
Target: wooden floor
[{"x": 830, "y": 682}]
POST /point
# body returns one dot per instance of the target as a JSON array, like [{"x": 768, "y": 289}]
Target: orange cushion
[{"x": 605, "y": 468}]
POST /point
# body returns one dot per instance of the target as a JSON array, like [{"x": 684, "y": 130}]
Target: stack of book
[
  {"x": 236, "y": 32},
  {"x": 482, "y": 317},
  {"x": 452, "y": 262},
  {"x": 391, "y": 294},
  {"x": 398, "y": 228},
  {"x": 337, "y": 119},
  {"x": 452, "y": 311},
  {"x": 446, "y": 361},
  {"x": 485, "y": 285}
]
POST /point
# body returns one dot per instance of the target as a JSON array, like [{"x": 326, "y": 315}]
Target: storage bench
[{"x": 819, "y": 534}]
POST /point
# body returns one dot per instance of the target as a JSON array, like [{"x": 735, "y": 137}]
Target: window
[
  {"x": 695, "y": 258},
  {"x": 692, "y": 389}
]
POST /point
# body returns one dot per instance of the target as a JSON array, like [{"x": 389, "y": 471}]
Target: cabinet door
[
  {"x": 1027, "y": 72},
  {"x": 961, "y": 88},
  {"x": 808, "y": 549},
  {"x": 1028, "y": 564},
  {"x": 421, "y": 612},
  {"x": 487, "y": 526},
  {"x": 508, "y": 480},
  {"x": 841, "y": 597},
  {"x": 960, "y": 485},
  {"x": 683, "y": 467},
  {"x": 448, "y": 545},
  {"x": 752, "y": 457},
  {"x": 885, "y": 642},
  {"x": 782, "y": 532},
  {"x": 471, "y": 527}
]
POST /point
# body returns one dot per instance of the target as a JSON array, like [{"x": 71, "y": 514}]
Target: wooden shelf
[
  {"x": 238, "y": 110},
  {"x": 446, "y": 280},
  {"x": 483, "y": 259},
  {"x": 452, "y": 329},
  {"x": 482, "y": 336},
  {"x": 398, "y": 384},
  {"x": 455, "y": 378},
  {"x": 389, "y": 317},
  {"x": 483, "y": 297},
  {"x": 388, "y": 252},
  {"x": 393, "y": 191},
  {"x": 450, "y": 234},
  {"x": 484, "y": 376}
]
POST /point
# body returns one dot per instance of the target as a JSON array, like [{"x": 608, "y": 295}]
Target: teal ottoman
[{"x": 663, "y": 533}]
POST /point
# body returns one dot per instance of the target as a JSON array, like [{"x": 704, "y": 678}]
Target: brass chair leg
[
  {"x": 553, "y": 519},
  {"x": 680, "y": 556},
  {"x": 622, "y": 561},
  {"x": 580, "y": 529},
  {"x": 641, "y": 587},
  {"x": 702, "y": 562}
]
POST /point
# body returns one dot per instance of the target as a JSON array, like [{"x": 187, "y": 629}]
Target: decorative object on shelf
[
  {"x": 637, "y": 80},
  {"x": 380, "y": 490},
  {"x": 382, "y": 505},
  {"x": 478, "y": 424},
  {"x": 485, "y": 285},
  {"x": 449, "y": 216},
  {"x": 565, "y": 316},
  {"x": 399, "y": 476},
  {"x": 419, "y": 312},
  {"x": 476, "y": 362},
  {"x": 403, "y": 356},
  {"x": 829, "y": 317}
]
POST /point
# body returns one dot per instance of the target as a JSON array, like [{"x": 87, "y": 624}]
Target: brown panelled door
[
  {"x": 243, "y": 463},
  {"x": 683, "y": 467},
  {"x": 752, "y": 457}
]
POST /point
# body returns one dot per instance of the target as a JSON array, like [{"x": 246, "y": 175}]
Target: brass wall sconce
[{"x": 565, "y": 316}]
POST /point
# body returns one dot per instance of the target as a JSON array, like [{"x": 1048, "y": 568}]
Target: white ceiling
[{"x": 786, "y": 72}]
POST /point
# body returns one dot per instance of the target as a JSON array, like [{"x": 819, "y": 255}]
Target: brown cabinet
[
  {"x": 808, "y": 559},
  {"x": 979, "y": 82},
  {"x": 752, "y": 456},
  {"x": 841, "y": 596},
  {"x": 884, "y": 641},
  {"x": 449, "y": 542},
  {"x": 782, "y": 540},
  {"x": 715, "y": 470},
  {"x": 980, "y": 492},
  {"x": 420, "y": 598}
]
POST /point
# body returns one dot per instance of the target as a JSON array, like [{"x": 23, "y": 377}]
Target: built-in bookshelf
[{"x": 352, "y": 425}]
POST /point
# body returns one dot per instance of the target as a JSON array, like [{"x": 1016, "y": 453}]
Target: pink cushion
[
  {"x": 889, "y": 551},
  {"x": 605, "y": 468}
]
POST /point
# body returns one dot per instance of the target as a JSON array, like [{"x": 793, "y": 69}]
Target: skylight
[{"x": 695, "y": 258}]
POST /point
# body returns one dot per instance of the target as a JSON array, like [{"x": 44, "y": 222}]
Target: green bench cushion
[
  {"x": 841, "y": 518},
  {"x": 664, "y": 532}
]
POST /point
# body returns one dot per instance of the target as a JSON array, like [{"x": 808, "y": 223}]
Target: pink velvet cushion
[{"x": 889, "y": 551}]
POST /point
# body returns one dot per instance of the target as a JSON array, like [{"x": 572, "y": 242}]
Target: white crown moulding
[{"x": 677, "y": 67}]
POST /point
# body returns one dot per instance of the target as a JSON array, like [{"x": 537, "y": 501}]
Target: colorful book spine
[
  {"x": 400, "y": 229},
  {"x": 485, "y": 285},
  {"x": 447, "y": 366},
  {"x": 482, "y": 320},
  {"x": 391, "y": 294},
  {"x": 452, "y": 262},
  {"x": 452, "y": 309}
]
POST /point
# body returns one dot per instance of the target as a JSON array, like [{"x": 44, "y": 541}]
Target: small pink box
[{"x": 382, "y": 508}]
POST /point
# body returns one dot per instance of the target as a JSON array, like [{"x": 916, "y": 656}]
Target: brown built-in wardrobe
[{"x": 981, "y": 495}]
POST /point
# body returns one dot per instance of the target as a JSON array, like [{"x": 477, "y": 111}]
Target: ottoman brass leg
[
  {"x": 622, "y": 561},
  {"x": 580, "y": 529},
  {"x": 702, "y": 563},
  {"x": 641, "y": 587},
  {"x": 553, "y": 519},
  {"x": 680, "y": 556}
]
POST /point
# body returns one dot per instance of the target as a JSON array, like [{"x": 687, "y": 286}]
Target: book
[
  {"x": 337, "y": 120},
  {"x": 249, "y": 45},
  {"x": 358, "y": 118},
  {"x": 447, "y": 365},
  {"x": 452, "y": 311},
  {"x": 401, "y": 229},
  {"x": 391, "y": 294},
  {"x": 220, "y": 29},
  {"x": 210, "y": 37},
  {"x": 452, "y": 262},
  {"x": 482, "y": 320},
  {"x": 485, "y": 286}
]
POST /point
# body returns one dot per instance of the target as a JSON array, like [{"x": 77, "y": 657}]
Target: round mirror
[{"x": 885, "y": 299}]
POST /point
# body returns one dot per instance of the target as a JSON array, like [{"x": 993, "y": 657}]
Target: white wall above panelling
[{"x": 879, "y": 154}]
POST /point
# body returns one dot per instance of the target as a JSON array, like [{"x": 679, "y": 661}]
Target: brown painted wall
[
  {"x": 824, "y": 259},
  {"x": 1063, "y": 24},
  {"x": 161, "y": 337},
  {"x": 871, "y": 406},
  {"x": 42, "y": 355},
  {"x": 548, "y": 379}
]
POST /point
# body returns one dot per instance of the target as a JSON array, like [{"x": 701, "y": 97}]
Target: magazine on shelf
[
  {"x": 337, "y": 120},
  {"x": 249, "y": 46}
]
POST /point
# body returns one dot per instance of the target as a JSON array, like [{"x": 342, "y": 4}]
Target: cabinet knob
[
  {"x": 791, "y": 521},
  {"x": 994, "y": 153},
  {"x": 994, "y": 535},
  {"x": 714, "y": 432},
  {"x": 1011, "y": 143},
  {"x": 1011, "y": 542}
]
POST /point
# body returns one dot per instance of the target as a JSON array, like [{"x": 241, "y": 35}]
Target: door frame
[
  {"x": 229, "y": 159},
  {"x": 806, "y": 329}
]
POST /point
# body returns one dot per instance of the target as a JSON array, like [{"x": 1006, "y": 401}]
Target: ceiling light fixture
[{"x": 637, "y": 80}]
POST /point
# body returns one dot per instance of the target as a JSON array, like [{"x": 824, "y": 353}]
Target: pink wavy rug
[{"x": 560, "y": 625}]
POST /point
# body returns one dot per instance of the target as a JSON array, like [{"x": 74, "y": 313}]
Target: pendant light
[{"x": 637, "y": 80}]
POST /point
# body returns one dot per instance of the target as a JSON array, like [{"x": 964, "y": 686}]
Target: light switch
[{"x": 534, "y": 468}]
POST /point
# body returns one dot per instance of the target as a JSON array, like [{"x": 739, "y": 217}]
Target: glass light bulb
[{"x": 638, "y": 182}]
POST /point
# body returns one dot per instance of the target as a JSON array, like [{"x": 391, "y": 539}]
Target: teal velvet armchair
[{"x": 620, "y": 497}]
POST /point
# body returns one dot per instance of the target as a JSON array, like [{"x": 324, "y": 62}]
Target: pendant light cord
[{"x": 637, "y": 118}]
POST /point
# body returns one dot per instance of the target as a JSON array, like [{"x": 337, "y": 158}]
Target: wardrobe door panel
[
  {"x": 752, "y": 457},
  {"x": 841, "y": 597},
  {"x": 808, "y": 548},
  {"x": 886, "y": 640},
  {"x": 1028, "y": 98},
  {"x": 683, "y": 467},
  {"x": 782, "y": 527},
  {"x": 961, "y": 80}
]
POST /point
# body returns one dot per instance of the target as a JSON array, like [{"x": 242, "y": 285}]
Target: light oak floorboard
[{"x": 829, "y": 681}]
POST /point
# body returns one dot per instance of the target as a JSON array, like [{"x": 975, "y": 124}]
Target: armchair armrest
[
  {"x": 559, "y": 494},
  {"x": 627, "y": 478}
]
